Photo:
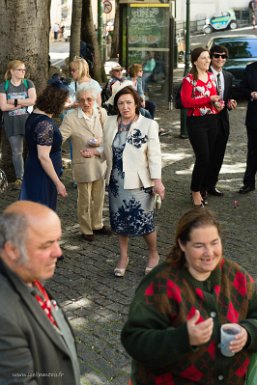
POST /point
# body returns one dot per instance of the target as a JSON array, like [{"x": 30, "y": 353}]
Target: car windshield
[{"x": 241, "y": 49}]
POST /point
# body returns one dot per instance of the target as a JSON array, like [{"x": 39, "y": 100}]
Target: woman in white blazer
[{"x": 133, "y": 156}]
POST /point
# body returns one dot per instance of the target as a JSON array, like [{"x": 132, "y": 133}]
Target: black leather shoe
[
  {"x": 214, "y": 191},
  {"x": 88, "y": 237},
  {"x": 103, "y": 231},
  {"x": 245, "y": 189}
]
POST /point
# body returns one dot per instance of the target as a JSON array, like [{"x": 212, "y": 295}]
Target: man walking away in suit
[
  {"x": 36, "y": 342},
  {"x": 249, "y": 88},
  {"x": 219, "y": 54}
]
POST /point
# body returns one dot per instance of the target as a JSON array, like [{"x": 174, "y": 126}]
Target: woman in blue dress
[{"x": 41, "y": 182}]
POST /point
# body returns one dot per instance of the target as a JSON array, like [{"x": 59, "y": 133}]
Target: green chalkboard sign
[{"x": 148, "y": 30}]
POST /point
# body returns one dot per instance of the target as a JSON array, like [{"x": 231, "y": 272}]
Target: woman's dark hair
[
  {"x": 193, "y": 219},
  {"x": 194, "y": 56},
  {"x": 51, "y": 100},
  {"x": 125, "y": 91}
]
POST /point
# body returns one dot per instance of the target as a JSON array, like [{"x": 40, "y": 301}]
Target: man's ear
[{"x": 11, "y": 252}]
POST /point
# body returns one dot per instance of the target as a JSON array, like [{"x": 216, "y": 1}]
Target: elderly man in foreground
[{"x": 36, "y": 340}]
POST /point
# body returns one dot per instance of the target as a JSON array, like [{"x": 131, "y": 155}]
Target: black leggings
[{"x": 202, "y": 131}]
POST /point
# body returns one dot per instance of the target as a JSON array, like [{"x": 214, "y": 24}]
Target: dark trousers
[
  {"x": 150, "y": 106},
  {"x": 217, "y": 155},
  {"x": 251, "y": 161},
  {"x": 202, "y": 132}
]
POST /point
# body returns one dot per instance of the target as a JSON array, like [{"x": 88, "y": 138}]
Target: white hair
[
  {"x": 13, "y": 228},
  {"x": 84, "y": 88}
]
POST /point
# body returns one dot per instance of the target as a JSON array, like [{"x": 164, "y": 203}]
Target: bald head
[{"x": 29, "y": 209}]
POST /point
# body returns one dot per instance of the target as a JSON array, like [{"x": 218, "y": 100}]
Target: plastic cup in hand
[{"x": 227, "y": 334}]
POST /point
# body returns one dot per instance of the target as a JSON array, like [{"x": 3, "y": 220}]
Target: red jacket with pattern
[{"x": 156, "y": 336}]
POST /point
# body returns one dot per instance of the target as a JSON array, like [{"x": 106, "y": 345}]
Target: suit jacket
[
  {"x": 32, "y": 350},
  {"x": 141, "y": 155},
  {"x": 224, "y": 115},
  {"x": 248, "y": 85},
  {"x": 76, "y": 127}
]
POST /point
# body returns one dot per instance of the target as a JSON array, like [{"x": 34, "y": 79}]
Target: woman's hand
[
  {"x": 232, "y": 104},
  {"x": 61, "y": 189},
  {"x": 199, "y": 333},
  {"x": 89, "y": 153},
  {"x": 240, "y": 341},
  {"x": 215, "y": 98},
  {"x": 159, "y": 188}
]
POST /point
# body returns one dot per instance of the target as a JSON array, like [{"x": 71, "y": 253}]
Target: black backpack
[{"x": 178, "y": 102}]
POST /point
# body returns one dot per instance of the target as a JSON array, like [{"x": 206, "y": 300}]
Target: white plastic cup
[{"x": 227, "y": 334}]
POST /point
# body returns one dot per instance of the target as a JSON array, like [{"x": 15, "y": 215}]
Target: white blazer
[{"x": 141, "y": 155}]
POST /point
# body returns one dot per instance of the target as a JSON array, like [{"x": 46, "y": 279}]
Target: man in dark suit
[
  {"x": 36, "y": 342},
  {"x": 249, "y": 88},
  {"x": 219, "y": 54}
]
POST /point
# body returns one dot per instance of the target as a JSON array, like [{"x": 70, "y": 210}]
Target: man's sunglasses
[{"x": 218, "y": 55}]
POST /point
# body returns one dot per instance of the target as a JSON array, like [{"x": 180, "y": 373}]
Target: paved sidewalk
[{"x": 95, "y": 301}]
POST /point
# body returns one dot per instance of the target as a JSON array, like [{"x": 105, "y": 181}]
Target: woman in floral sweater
[
  {"x": 173, "y": 327},
  {"x": 199, "y": 96}
]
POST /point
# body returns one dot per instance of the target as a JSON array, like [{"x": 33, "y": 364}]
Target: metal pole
[
  {"x": 183, "y": 115},
  {"x": 100, "y": 26}
]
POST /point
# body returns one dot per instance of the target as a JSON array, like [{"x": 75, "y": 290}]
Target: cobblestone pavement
[{"x": 96, "y": 302}]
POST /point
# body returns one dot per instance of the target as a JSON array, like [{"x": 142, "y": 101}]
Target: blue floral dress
[{"x": 131, "y": 211}]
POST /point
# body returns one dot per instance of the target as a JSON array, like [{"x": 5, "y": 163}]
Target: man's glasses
[
  {"x": 20, "y": 69},
  {"x": 218, "y": 55}
]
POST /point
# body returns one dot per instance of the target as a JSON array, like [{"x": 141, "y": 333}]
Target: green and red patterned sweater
[{"x": 155, "y": 334}]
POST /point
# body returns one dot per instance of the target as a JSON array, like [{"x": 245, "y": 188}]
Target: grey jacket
[{"x": 32, "y": 350}]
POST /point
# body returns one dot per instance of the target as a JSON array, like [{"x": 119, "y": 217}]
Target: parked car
[
  {"x": 226, "y": 20},
  {"x": 242, "y": 51}
]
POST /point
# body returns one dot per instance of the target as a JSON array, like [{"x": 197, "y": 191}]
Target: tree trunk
[
  {"x": 75, "y": 28},
  {"x": 115, "y": 35},
  {"x": 88, "y": 35},
  {"x": 24, "y": 31}
]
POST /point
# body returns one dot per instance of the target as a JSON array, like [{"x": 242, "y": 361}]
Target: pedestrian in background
[
  {"x": 79, "y": 70},
  {"x": 16, "y": 95},
  {"x": 56, "y": 29},
  {"x": 249, "y": 88},
  {"x": 36, "y": 341},
  {"x": 173, "y": 327},
  {"x": 116, "y": 79},
  {"x": 41, "y": 182},
  {"x": 199, "y": 96},
  {"x": 223, "y": 78},
  {"x": 135, "y": 73}
]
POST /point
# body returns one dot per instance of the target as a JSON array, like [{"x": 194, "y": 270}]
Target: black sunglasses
[{"x": 218, "y": 55}]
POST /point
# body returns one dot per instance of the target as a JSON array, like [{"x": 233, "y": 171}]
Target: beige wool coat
[{"x": 80, "y": 130}]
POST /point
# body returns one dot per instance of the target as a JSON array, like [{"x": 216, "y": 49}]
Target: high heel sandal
[
  {"x": 204, "y": 197},
  {"x": 148, "y": 269},
  {"x": 120, "y": 271},
  {"x": 197, "y": 205}
]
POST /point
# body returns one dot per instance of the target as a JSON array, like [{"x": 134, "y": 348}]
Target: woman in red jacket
[{"x": 199, "y": 97}]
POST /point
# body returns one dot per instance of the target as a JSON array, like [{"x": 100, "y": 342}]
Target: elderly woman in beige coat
[{"x": 85, "y": 128}]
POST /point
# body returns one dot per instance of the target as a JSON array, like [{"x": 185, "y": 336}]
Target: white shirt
[{"x": 222, "y": 81}]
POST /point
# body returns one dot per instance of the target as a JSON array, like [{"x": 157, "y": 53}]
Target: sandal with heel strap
[{"x": 120, "y": 271}]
